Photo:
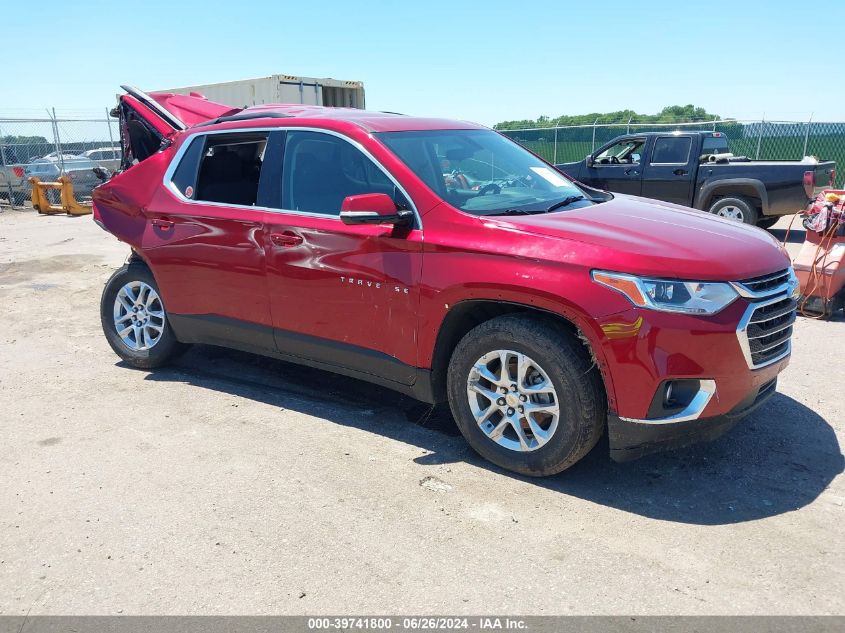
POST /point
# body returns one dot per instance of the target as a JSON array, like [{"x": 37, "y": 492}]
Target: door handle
[
  {"x": 632, "y": 172},
  {"x": 288, "y": 239},
  {"x": 161, "y": 223},
  {"x": 680, "y": 172}
]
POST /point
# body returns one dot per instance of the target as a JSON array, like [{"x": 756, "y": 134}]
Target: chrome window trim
[
  {"x": 167, "y": 180},
  {"x": 693, "y": 411},
  {"x": 742, "y": 332}
]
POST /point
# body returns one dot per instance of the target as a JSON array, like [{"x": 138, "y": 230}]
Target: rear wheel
[
  {"x": 526, "y": 395},
  {"x": 738, "y": 209},
  {"x": 134, "y": 319}
]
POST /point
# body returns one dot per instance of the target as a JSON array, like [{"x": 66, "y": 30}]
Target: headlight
[{"x": 668, "y": 295}]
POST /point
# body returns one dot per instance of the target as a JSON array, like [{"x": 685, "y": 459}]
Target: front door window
[{"x": 320, "y": 170}]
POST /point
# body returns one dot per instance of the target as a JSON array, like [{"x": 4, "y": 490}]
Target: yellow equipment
[{"x": 67, "y": 199}]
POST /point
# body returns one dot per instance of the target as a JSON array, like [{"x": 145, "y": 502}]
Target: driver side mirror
[
  {"x": 589, "y": 160},
  {"x": 373, "y": 208}
]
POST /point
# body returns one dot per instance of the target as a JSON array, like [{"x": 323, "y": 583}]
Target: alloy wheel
[
  {"x": 731, "y": 212},
  {"x": 513, "y": 400},
  {"x": 138, "y": 316}
]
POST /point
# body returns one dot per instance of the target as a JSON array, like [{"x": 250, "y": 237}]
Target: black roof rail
[{"x": 245, "y": 116}]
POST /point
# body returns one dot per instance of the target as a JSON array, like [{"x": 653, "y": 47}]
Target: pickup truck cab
[
  {"x": 442, "y": 260},
  {"x": 696, "y": 169}
]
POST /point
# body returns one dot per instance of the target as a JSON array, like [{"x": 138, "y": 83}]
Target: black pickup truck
[{"x": 696, "y": 169}]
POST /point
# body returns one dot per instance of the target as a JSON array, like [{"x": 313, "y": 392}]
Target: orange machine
[{"x": 820, "y": 265}]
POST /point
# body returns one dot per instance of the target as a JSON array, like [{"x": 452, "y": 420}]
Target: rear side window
[
  {"x": 185, "y": 176},
  {"x": 714, "y": 145},
  {"x": 320, "y": 170},
  {"x": 673, "y": 150},
  {"x": 229, "y": 168}
]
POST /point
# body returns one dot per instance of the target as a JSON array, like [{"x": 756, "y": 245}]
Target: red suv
[{"x": 442, "y": 260}]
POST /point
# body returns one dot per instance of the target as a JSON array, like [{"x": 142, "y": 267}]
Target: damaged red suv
[{"x": 442, "y": 260}]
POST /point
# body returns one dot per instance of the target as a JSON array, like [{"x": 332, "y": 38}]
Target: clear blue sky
[{"x": 483, "y": 61}]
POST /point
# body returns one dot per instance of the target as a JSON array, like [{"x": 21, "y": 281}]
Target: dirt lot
[{"x": 233, "y": 484}]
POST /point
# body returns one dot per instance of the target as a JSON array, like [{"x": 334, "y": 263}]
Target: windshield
[{"x": 482, "y": 172}]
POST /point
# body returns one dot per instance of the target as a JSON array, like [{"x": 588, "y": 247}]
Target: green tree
[{"x": 669, "y": 114}]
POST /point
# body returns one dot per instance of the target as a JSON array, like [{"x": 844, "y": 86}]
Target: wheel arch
[
  {"x": 467, "y": 314},
  {"x": 733, "y": 187}
]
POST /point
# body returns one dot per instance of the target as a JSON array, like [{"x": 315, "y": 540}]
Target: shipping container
[{"x": 281, "y": 89}]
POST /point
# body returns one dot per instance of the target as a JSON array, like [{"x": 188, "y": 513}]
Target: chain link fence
[
  {"x": 49, "y": 145},
  {"x": 25, "y": 142},
  {"x": 760, "y": 140}
]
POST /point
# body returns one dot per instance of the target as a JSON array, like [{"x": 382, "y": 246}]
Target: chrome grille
[
  {"x": 765, "y": 284},
  {"x": 765, "y": 331}
]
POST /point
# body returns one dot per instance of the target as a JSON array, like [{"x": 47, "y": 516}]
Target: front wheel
[
  {"x": 738, "y": 209},
  {"x": 525, "y": 394},
  {"x": 134, "y": 319}
]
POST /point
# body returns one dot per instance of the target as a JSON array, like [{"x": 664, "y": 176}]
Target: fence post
[
  {"x": 628, "y": 129},
  {"x": 807, "y": 135},
  {"x": 594, "y": 136},
  {"x": 8, "y": 180},
  {"x": 715, "y": 118},
  {"x": 108, "y": 122},
  {"x": 760, "y": 137},
  {"x": 56, "y": 141},
  {"x": 554, "y": 154}
]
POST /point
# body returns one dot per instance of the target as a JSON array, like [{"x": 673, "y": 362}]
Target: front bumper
[{"x": 632, "y": 439}]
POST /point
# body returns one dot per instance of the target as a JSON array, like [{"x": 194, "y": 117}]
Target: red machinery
[{"x": 820, "y": 265}]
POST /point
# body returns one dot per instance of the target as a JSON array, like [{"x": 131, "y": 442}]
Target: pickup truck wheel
[
  {"x": 526, "y": 395},
  {"x": 739, "y": 209},
  {"x": 18, "y": 199},
  {"x": 134, "y": 319}
]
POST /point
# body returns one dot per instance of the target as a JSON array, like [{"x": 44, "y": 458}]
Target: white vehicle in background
[
  {"x": 14, "y": 187},
  {"x": 106, "y": 157}
]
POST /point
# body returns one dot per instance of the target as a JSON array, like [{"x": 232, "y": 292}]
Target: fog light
[{"x": 673, "y": 396}]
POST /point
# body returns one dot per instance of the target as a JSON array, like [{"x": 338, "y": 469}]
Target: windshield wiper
[
  {"x": 564, "y": 203},
  {"x": 514, "y": 212},
  {"x": 557, "y": 205}
]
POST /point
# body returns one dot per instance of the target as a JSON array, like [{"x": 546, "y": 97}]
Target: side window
[
  {"x": 671, "y": 150},
  {"x": 229, "y": 168},
  {"x": 185, "y": 176},
  {"x": 626, "y": 152},
  {"x": 714, "y": 145},
  {"x": 320, "y": 170}
]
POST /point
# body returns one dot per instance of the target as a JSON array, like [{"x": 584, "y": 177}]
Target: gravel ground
[{"x": 233, "y": 484}]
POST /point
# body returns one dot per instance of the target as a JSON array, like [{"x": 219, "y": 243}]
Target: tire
[
  {"x": 18, "y": 199},
  {"x": 768, "y": 221},
  {"x": 568, "y": 369},
  {"x": 153, "y": 344},
  {"x": 738, "y": 208}
]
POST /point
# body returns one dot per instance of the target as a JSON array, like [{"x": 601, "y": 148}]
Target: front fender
[{"x": 435, "y": 310}]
